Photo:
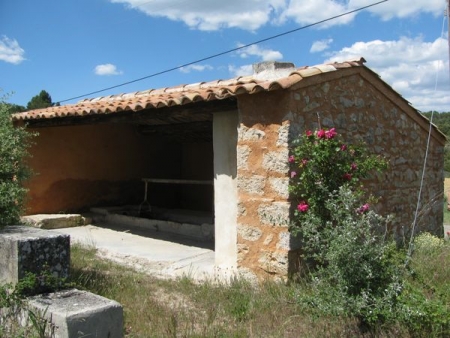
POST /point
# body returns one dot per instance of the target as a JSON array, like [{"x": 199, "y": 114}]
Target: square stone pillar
[{"x": 25, "y": 249}]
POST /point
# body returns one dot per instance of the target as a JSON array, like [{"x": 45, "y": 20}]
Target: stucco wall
[
  {"x": 86, "y": 165},
  {"x": 358, "y": 111}
]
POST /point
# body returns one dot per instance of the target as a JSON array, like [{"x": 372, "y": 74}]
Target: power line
[
  {"x": 424, "y": 168},
  {"x": 226, "y": 52}
]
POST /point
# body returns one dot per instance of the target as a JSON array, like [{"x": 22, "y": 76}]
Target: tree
[
  {"x": 15, "y": 108},
  {"x": 14, "y": 143},
  {"x": 43, "y": 100},
  {"x": 442, "y": 121}
]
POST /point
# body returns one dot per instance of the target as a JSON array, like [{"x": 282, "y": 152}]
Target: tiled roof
[{"x": 184, "y": 94}]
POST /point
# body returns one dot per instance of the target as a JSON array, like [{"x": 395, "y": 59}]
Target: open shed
[{"x": 219, "y": 149}]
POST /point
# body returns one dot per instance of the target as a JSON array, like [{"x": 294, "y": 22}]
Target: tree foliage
[
  {"x": 42, "y": 100},
  {"x": 15, "y": 108},
  {"x": 442, "y": 121},
  {"x": 14, "y": 143}
]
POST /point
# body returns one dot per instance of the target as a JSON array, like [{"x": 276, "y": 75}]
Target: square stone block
[
  {"x": 74, "y": 314},
  {"x": 25, "y": 249}
]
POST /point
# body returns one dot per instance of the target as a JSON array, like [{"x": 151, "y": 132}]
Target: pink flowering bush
[
  {"x": 349, "y": 260},
  {"x": 320, "y": 164}
]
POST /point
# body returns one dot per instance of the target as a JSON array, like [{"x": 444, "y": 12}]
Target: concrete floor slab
[{"x": 159, "y": 254}]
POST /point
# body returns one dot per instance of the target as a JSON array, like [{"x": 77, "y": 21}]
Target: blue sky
[{"x": 71, "y": 48}]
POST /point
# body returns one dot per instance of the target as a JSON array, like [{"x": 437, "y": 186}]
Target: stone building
[{"x": 234, "y": 136}]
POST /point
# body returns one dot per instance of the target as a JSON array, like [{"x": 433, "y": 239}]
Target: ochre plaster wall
[
  {"x": 86, "y": 165},
  {"x": 360, "y": 112}
]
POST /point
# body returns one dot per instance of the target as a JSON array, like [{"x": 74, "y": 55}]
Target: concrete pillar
[{"x": 225, "y": 137}]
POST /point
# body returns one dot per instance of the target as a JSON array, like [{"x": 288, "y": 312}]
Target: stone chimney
[{"x": 272, "y": 70}]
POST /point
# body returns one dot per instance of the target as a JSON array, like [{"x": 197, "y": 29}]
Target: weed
[
  {"x": 182, "y": 308},
  {"x": 17, "y": 319}
]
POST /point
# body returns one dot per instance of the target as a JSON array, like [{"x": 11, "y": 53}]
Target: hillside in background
[{"x": 442, "y": 121}]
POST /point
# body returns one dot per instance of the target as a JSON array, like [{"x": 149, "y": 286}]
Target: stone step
[{"x": 55, "y": 221}]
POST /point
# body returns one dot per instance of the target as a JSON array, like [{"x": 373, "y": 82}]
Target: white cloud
[
  {"x": 319, "y": 46},
  {"x": 253, "y": 51},
  {"x": 306, "y": 12},
  {"x": 197, "y": 68},
  {"x": 240, "y": 71},
  {"x": 210, "y": 15},
  {"x": 10, "y": 51},
  {"x": 250, "y": 15},
  {"x": 417, "y": 69},
  {"x": 107, "y": 69},
  {"x": 264, "y": 54},
  {"x": 401, "y": 8}
]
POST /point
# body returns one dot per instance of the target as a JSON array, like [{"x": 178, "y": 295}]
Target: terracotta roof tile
[{"x": 182, "y": 94}]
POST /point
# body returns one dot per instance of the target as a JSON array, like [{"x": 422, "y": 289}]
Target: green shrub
[
  {"x": 360, "y": 272},
  {"x": 14, "y": 143},
  {"x": 354, "y": 269},
  {"x": 424, "y": 313},
  {"x": 425, "y": 302}
]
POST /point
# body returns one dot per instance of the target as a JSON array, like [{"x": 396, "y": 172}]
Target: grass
[{"x": 182, "y": 308}]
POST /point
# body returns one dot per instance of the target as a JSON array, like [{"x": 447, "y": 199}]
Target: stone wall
[
  {"x": 262, "y": 180},
  {"x": 363, "y": 109},
  {"x": 360, "y": 111}
]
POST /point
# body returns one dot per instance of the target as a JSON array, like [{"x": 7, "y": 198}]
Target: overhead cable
[{"x": 224, "y": 52}]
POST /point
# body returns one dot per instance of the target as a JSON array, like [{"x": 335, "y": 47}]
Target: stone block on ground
[
  {"x": 54, "y": 221},
  {"x": 74, "y": 313},
  {"x": 26, "y": 249}
]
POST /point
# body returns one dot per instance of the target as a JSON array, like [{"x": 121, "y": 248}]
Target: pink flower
[
  {"x": 344, "y": 147},
  {"x": 309, "y": 133},
  {"x": 329, "y": 134},
  {"x": 321, "y": 133},
  {"x": 303, "y": 206},
  {"x": 347, "y": 176},
  {"x": 304, "y": 162},
  {"x": 293, "y": 174},
  {"x": 363, "y": 208},
  {"x": 291, "y": 159},
  {"x": 353, "y": 166}
]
